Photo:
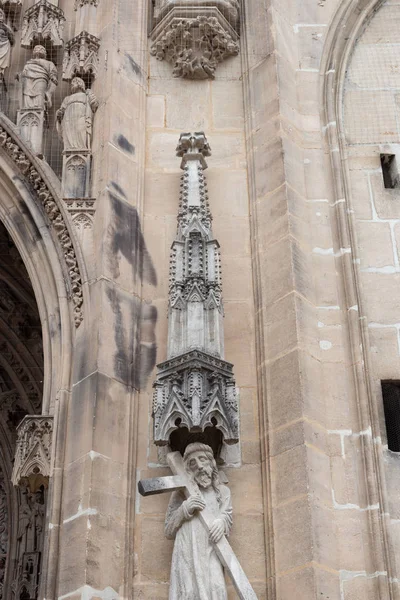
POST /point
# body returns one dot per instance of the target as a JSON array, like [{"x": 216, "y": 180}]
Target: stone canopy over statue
[{"x": 196, "y": 571}]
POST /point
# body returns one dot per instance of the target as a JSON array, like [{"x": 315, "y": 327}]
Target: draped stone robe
[
  {"x": 6, "y": 41},
  {"x": 38, "y": 78},
  {"x": 196, "y": 572},
  {"x": 75, "y": 118}
]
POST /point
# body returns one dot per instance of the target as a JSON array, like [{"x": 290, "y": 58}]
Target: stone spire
[
  {"x": 194, "y": 390},
  {"x": 195, "y": 300}
]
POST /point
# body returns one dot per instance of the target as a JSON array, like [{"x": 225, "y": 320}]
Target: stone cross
[{"x": 181, "y": 481}]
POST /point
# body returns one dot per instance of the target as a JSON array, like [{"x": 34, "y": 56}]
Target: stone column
[
  {"x": 319, "y": 490},
  {"x": 96, "y": 541}
]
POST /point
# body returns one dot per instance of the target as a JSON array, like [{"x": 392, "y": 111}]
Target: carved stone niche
[
  {"x": 195, "y": 35},
  {"x": 33, "y": 453},
  {"x": 81, "y": 57},
  {"x": 43, "y": 21}
]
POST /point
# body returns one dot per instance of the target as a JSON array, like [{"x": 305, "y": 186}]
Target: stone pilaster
[{"x": 110, "y": 364}]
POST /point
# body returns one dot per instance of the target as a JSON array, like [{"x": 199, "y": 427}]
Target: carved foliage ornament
[
  {"x": 43, "y": 21},
  {"x": 54, "y": 214},
  {"x": 195, "y": 46},
  {"x": 33, "y": 453}
]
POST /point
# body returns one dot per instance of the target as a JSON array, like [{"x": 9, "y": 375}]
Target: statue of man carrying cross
[
  {"x": 199, "y": 517},
  {"x": 196, "y": 572}
]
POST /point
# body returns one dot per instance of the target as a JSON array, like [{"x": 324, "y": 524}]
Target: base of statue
[
  {"x": 31, "y": 122},
  {"x": 76, "y": 173}
]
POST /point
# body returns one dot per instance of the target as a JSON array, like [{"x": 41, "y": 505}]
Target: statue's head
[
  {"x": 39, "y": 52},
  {"x": 200, "y": 463},
  {"x": 77, "y": 84}
]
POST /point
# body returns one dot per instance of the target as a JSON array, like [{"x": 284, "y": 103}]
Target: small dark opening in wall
[
  {"x": 390, "y": 172},
  {"x": 182, "y": 437},
  {"x": 391, "y": 405}
]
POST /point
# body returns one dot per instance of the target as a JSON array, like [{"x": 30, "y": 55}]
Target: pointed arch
[
  {"x": 33, "y": 213},
  {"x": 39, "y": 225},
  {"x": 349, "y": 22}
]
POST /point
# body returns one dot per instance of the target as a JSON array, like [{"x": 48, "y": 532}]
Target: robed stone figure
[
  {"x": 6, "y": 41},
  {"x": 39, "y": 80},
  {"x": 75, "y": 117},
  {"x": 196, "y": 572}
]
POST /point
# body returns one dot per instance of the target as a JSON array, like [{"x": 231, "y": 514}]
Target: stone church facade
[{"x": 200, "y": 242}]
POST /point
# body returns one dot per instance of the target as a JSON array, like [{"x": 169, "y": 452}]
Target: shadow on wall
[{"x": 126, "y": 240}]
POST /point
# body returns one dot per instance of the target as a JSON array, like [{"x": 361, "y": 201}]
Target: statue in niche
[
  {"x": 6, "y": 41},
  {"x": 196, "y": 571},
  {"x": 75, "y": 117},
  {"x": 39, "y": 80},
  {"x": 31, "y": 522}
]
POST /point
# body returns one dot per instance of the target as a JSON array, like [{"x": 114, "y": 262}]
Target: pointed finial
[{"x": 193, "y": 146}]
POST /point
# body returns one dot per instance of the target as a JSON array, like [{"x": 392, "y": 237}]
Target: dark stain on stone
[
  {"x": 135, "y": 322},
  {"x": 128, "y": 241},
  {"x": 134, "y": 66},
  {"x": 125, "y": 144}
]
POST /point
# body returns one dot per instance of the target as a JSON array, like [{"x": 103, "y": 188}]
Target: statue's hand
[
  {"x": 194, "y": 503},
  {"x": 217, "y": 530}
]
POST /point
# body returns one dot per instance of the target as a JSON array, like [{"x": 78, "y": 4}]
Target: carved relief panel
[{"x": 195, "y": 36}]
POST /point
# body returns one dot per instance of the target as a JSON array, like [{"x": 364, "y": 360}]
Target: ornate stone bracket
[
  {"x": 82, "y": 211},
  {"x": 33, "y": 453},
  {"x": 49, "y": 202},
  {"x": 194, "y": 389},
  {"x": 43, "y": 21},
  {"x": 81, "y": 56},
  {"x": 195, "y": 37}
]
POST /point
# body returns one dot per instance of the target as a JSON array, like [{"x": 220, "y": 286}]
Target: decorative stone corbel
[
  {"x": 33, "y": 453},
  {"x": 81, "y": 56},
  {"x": 195, "y": 35},
  {"x": 43, "y": 21},
  {"x": 82, "y": 211}
]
